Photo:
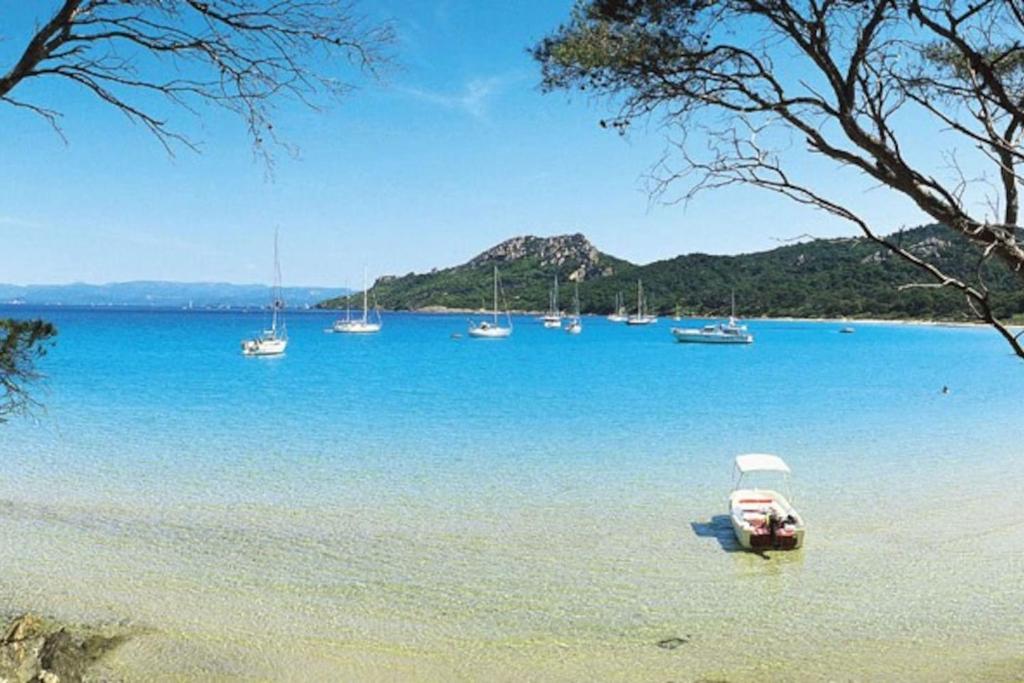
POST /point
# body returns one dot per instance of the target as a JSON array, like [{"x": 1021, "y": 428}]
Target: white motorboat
[
  {"x": 618, "y": 315},
  {"x": 492, "y": 330},
  {"x": 575, "y": 325},
  {"x": 642, "y": 317},
  {"x": 274, "y": 341},
  {"x": 360, "y": 325},
  {"x": 764, "y": 518},
  {"x": 729, "y": 332},
  {"x": 722, "y": 333}
]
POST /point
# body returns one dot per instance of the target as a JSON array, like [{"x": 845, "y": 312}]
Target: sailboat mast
[
  {"x": 495, "y": 295},
  {"x": 276, "y": 289},
  {"x": 364, "y": 296}
]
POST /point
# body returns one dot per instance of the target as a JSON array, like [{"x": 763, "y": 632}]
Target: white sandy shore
[{"x": 442, "y": 310}]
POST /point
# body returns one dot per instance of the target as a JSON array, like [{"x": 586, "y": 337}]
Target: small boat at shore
[
  {"x": 274, "y": 341},
  {"x": 491, "y": 330},
  {"x": 847, "y": 330},
  {"x": 764, "y": 518}
]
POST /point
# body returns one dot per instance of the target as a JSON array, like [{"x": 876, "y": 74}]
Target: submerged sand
[{"x": 922, "y": 587}]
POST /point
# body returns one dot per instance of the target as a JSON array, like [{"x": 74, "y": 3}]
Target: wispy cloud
[
  {"x": 15, "y": 222},
  {"x": 473, "y": 100}
]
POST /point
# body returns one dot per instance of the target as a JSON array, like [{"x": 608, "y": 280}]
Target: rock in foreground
[{"x": 33, "y": 650}]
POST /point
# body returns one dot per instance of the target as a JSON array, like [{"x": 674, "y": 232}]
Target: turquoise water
[{"x": 412, "y": 505}]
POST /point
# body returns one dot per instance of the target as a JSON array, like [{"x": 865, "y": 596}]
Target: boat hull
[
  {"x": 490, "y": 332},
  {"x": 684, "y": 336},
  {"x": 751, "y": 510},
  {"x": 264, "y": 347},
  {"x": 356, "y": 328}
]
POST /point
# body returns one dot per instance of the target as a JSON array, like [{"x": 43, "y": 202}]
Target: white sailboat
[
  {"x": 575, "y": 325},
  {"x": 641, "y": 317},
  {"x": 730, "y": 332},
  {"x": 360, "y": 325},
  {"x": 619, "y": 314},
  {"x": 553, "y": 318},
  {"x": 274, "y": 341},
  {"x": 492, "y": 330}
]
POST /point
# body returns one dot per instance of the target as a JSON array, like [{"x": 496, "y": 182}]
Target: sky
[{"x": 455, "y": 150}]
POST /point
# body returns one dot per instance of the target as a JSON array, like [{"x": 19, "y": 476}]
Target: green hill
[{"x": 820, "y": 278}]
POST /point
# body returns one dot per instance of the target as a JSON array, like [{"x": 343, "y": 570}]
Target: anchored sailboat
[
  {"x": 619, "y": 314},
  {"x": 575, "y": 325},
  {"x": 641, "y": 317},
  {"x": 363, "y": 325},
  {"x": 492, "y": 330},
  {"x": 271, "y": 342},
  {"x": 553, "y": 318}
]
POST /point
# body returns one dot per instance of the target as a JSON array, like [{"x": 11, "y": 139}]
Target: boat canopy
[{"x": 760, "y": 462}]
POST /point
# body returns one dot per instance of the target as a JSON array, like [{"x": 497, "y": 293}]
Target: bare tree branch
[
  {"x": 149, "y": 58},
  {"x": 863, "y": 68}
]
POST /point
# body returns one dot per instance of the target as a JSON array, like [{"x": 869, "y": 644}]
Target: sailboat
[
  {"x": 489, "y": 330},
  {"x": 274, "y": 341},
  {"x": 363, "y": 325},
  {"x": 575, "y": 325},
  {"x": 618, "y": 315},
  {"x": 641, "y": 317},
  {"x": 553, "y": 318}
]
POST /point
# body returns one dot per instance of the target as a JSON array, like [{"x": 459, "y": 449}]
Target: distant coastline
[
  {"x": 934, "y": 322},
  {"x": 817, "y": 279},
  {"x": 443, "y": 310}
]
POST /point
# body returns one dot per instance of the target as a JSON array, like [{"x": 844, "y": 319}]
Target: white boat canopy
[{"x": 760, "y": 462}]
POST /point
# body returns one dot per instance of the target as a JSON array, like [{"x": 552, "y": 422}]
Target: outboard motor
[{"x": 774, "y": 524}]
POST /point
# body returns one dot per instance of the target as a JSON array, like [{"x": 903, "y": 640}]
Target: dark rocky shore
[{"x": 37, "y": 650}]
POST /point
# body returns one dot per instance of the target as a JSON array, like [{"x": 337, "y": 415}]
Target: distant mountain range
[
  {"x": 157, "y": 294},
  {"x": 851, "y": 277}
]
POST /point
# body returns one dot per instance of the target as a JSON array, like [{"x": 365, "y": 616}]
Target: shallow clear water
[{"x": 408, "y": 505}]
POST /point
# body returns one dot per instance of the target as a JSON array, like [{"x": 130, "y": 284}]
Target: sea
[{"x": 420, "y": 505}]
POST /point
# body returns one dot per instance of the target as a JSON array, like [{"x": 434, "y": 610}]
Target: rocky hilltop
[
  {"x": 831, "y": 278},
  {"x": 527, "y": 265},
  {"x": 572, "y": 255}
]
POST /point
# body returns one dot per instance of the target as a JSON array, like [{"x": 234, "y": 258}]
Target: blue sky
[{"x": 455, "y": 151}]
